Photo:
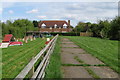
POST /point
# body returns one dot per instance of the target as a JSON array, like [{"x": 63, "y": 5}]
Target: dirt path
[{"x": 77, "y": 63}]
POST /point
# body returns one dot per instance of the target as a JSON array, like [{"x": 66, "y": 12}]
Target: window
[
  {"x": 55, "y": 26},
  {"x": 65, "y": 26},
  {"x": 43, "y": 25}
]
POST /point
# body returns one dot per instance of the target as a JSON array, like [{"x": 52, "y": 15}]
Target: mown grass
[
  {"x": 15, "y": 58},
  {"x": 92, "y": 73},
  {"x": 79, "y": 60},
  {"x": 53, "y": 70},
  {"x": 105, "y": 50}
]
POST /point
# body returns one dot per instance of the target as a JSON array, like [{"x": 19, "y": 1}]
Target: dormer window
[
  {"x": 65, "y": 26},
  {"x": 55, "y": 26},
  {"x": 43, "y": 25}
]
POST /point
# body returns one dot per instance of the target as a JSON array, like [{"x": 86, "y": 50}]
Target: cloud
[
  {"x": 1, "y": 10},
  {"x": 60, "y": 0},
  {"x": 42, "y": 17},
  {"x": 32, "y": 11},
  {"x": 92, "y": 9},
  {"x": 11, "y": 11},
  {"x": 8, "y": 4},
  {"x": 74, "y": 11}
]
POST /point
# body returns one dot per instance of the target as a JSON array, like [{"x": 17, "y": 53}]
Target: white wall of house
[
  {"x": 55, "y": 26},
  {"x": 65, "y": 26},
  {"x": 43, "y": 25}
]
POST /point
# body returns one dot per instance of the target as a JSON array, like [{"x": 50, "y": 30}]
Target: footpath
[{"x": 77, "y": 63}]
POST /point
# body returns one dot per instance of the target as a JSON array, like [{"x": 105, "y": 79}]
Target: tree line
[
  {"x": 103, "y": 29},
  {"x": 18, "y": 27}
]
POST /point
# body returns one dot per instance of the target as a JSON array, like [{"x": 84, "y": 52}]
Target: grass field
[
  {"x": 15, "y": 58},
  {"x": 53, "y": 70},
  {"x": 105, "y": 50}
]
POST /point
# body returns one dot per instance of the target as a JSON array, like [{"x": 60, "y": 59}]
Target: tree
[
  {"x": 83, "y": 27},
  {"x": 101, "y": 29},
  {"x": 23, "y": 25},
  {"x": 94, "y": 30},
  {"x": 114, "y": 32},
  {"x": 18, "y": 28},
  {"x": 5, "y": 29},
  {"x": 104, "y": 27},
  {"x": 35, "y": 23}
]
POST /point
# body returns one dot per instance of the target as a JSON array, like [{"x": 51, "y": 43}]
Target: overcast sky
[{"x": 74, "y": 11}]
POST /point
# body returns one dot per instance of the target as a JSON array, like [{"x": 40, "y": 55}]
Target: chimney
[{"x": 68, "y": 23}]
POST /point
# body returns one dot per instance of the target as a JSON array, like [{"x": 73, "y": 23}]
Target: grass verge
[{"x": 53, "y": 70}]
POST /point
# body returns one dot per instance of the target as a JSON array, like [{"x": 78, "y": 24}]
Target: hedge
[{"x": 65, "y": 34}]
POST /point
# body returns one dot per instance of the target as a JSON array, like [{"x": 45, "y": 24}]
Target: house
[{"x": 54, "y": 26}]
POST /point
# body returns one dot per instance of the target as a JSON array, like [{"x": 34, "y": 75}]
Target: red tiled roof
[
  {"x": 51, "y": 23},
  {"x": 7, "y": 37}
]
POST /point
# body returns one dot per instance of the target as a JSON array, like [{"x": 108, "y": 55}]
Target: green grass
[
  {"x": 53, "y": 70},
  {"x": 79, "y": 60},
  {"x": 15, "y": 58},
  {"x": 105, "y": 50},
  {"x": 92, "y": 73}
]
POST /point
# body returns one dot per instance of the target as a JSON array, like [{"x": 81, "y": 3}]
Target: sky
[{"x": 73, "y": 11}]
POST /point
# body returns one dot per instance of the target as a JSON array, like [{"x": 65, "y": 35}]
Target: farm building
[{"x": 54, "y": 26}]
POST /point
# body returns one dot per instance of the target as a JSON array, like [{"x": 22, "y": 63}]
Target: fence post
[{"x": 33, "y": 68}]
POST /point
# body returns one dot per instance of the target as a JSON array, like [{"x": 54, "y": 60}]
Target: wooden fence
[{"x": 39, "y": 73}]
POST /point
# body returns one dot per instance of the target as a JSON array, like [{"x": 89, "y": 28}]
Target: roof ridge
[{"x": 54, "y": 20}]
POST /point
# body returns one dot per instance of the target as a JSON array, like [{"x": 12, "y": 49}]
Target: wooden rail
[{"x": 40, "y": 71}]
